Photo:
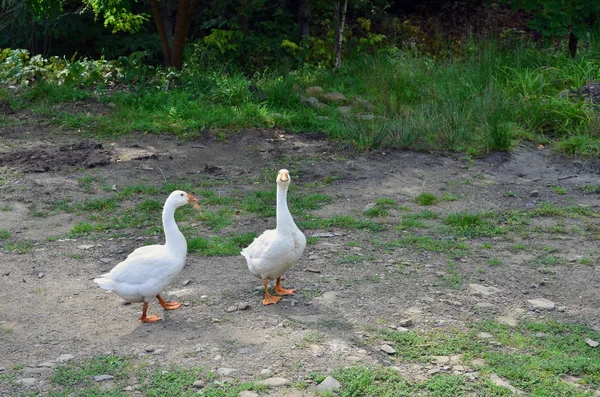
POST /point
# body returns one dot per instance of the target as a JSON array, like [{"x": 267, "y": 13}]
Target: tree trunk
[
  {"x": 162, "y": 33},
  {"x": 573, "y": 44},
  {"x": 183, "y": 20},
  {"x": 304, "y": 19},
  {"x": 340, "y": 19}
]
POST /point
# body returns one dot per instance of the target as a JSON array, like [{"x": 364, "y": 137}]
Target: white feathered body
[
  {"x": 144, "y": 274},
  {"x": 274, "y": 252},
  {"x": 150, "y": 269}
]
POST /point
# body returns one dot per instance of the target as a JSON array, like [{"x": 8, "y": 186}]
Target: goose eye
[{"x": 181, "y": 194}]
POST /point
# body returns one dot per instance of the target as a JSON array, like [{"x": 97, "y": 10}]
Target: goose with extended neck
[
  {"x": 275, "y": 251},
  {"x": 150, "y": 269}
]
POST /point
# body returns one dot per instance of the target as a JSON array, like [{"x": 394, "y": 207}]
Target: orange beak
[
  {"x": 285, "y": 176},
  {"x": 192, "y": 199}
]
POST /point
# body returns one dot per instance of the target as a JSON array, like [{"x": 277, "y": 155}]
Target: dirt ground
[{"x": 51, "y": 306}]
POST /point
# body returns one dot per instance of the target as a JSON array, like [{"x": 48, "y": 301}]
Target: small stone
[
  {"x": 406, "y": 322},
  {"x": 102, "y": 378},
  {"x": 354, "y": 359},
  {"x": 332, "y": 97},
  {"x": 185, "y": 282},
  {"x": 314, "y": 91},
  {"x": 41, "y": 275},
  {"x": 433, "y": 371},
  {"x": 226, "y": 371},
  {"x": 232, "y": 309},
  {"x": 457, "y": 358},
  {"x": 483, "y": 290},
  {"x": 561, "y": 309},
  {"x": 106, "y": 260},
  {"x": 328, "y": 384},
  {"x": 36, "y": 371},
  {"x": 47, "y": 364},
  {"x": 274, "y": 382},
  {"x": 85, "y": 246},
  {"x": 508, "y": 320},
  {"x": 199, "y": 384},
  {"x": 484, "y": 335},
  {"x": 266, "y": 372},
  {"x": 478, "y": 362},
  {"x": 441, "y": 359},
  {"x": 149, "y": 349},
  {"x": 388, "y": 349},
  {"x": 542, "y": 303},
  {"x": 534, "y": 193},
  {"x": 495, "y": 379},
  {"x": 591, "y": 342},
  {"x": 541, "y": 334},
  {"x": 458, "y": 368},
  {"x": 243, "y": 306},
  {"x": 27, "y": 382},
  {"x": 486, "y": 306},
  {"x": 160, "y": 351},
  {"x": 413, "y": 311},
  {"x": 248, "y": 393}
]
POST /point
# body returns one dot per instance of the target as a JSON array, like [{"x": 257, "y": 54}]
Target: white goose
[
  {"x": 275, "y": 251},
  {"x": 148, "y": 270}
]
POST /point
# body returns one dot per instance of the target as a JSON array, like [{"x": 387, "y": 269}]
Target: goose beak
[
  {"x": 285, "y": 176},
  {"x": 192, "y": 199}
]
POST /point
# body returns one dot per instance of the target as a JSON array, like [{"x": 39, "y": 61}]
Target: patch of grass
[
  {"x": 220, "y": 246},
  {"x": 4, "y": 234},
  {"x": 87, "y": 183},
  {"x": 342, "y": 221},
  {"x": 376, "y": 212},
  {"x": 133, "y": 190},
  {"x": 453, "y": 279},
  {"x": 494, "y": 262},
  {"x": 82, "y": 373},
  {"x": 218, "y": 219},
  {"x": 150, "y": 205},
  {"x": 303, "y": 203},
  {"x": 591, "y": 189},
  {"x": 313, "y": 337},
  {"x": 449, "y": 197},
  {"x": 472, "y": 224},
  {"x": 426, "y": 214},
  {"x": 100, "y": 205},
  {"x": 550, "y": 260},
  {"x": 430, "y": 244},
  {"x": 20, "y": 247},
  {"x": 407, "y": 223},
  {"x": 559, "y": 190},
  {"x": 426, "y": 199},
  {"x": 81, "y": 228}
]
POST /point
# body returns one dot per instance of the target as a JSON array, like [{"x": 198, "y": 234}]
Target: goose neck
[
  {"x": 173, "y": 237},
  {"x": 284, "y": 218}
]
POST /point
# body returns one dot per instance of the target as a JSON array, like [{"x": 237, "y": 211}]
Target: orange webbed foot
[
  {"x": 270, "y": 299},
  {"x": 150, "y": 319},
  {"x": 168, "y": 305},
  {"x": 282, "y": 291}
]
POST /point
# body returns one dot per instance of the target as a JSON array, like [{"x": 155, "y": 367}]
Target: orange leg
[
  {"x": 282, "y": 291},
  {"x": 148, "y": 319},
  {"x": 269, "y": 299},
  {"x": 167, "y": 305}
]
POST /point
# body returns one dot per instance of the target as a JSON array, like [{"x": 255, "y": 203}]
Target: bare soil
[{"x": 49, "y": 305}]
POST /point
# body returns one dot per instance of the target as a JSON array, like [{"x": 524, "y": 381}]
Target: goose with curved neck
[
  {"x": 275, "y": 251},
  {"x": 150, "y": 269}
]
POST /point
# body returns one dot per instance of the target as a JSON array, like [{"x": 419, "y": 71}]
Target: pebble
[
  {"x": 248, "y": 393},
  {"x": 459, "y": 368},
  {"x": 406, "y": 322},
  {"x": 266, "y": 372},
  {"x": 47, "y": 364},
  {"x": 413, "y": 311},
  {"x": 199, "y": 384},
  {"x": 433, "y": 371},
  {"x": 495, "y": 379},
  {"x": 274, "y": 382},
  {"x": 85, "y": 246},
  {"x": 441, "y": 359},
  {"x": 354, "y": 359},
  {"x": 486, "y": 306},
  {"x": 243, "y": 306},
  {"x": 328, "y": 384},
  {"x": 508, "y": 320},
  {"x": 186, "y": 282},
  {"x": 485, "y": 335},
  {"x": 232, "y": 308},
  {"x": 64, "y": 358},
  {"x": 591, "y": 342},
  {"x": 561, "y": 309},
  {"x": 102, "y": 378},
  {"x": 35, "y": 371},
  {"x": 478, "y": 362},
  {"x": 41, "y": 275},
  {"x": 542, "y": 303},
  {"x": 159, "y": 351},
  {"x": 27, "y": 382},
  {"x": 534, "y": 193},
  {"x": 483, "y": 290},
  {"x": 149, "y": 349},
  {"x": 388, "y": 349},
  {"x": 226, "y": 371}
]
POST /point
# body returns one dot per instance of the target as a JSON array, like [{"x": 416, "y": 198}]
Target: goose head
[
  {"x": 283, "y": 178},
  {"x": 180, "y": 198}
]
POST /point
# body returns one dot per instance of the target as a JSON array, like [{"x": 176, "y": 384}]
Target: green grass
[
  {"x": 428, "y": 243},
  {"x": 20, "y": 247},
  {"x": 427, "y": 199},
  {"x": 4, "y": 234},
  {"x": 453, "y": 279},
  {"x": 220, "y": 246},
  {"x": 471, "y": 224},
  {"x": 341, "y": 221},
  {"x": 559, "y": 190},
  {"x": 591, "y": 189}
]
